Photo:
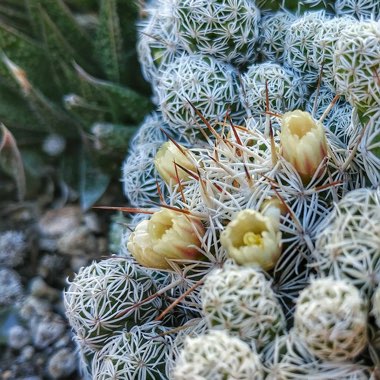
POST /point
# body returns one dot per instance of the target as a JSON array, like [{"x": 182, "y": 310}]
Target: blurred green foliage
[{"x": 66, "y": 66}]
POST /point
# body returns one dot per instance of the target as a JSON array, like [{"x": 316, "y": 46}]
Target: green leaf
[
  {"x": 51, "y": 117},
  {"x": 15, "y": 112},
  {"x": 25, "y": 52},
  {"x": 124, "y": 105},
  {"x": 64, "y": 20},
  {"x": 112, "y": 138},
  {"x": 108, "y": 42},
  {"x": 93, "y": 181}
]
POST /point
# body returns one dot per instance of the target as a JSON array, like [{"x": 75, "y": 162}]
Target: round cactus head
[
  {"x": 101, "y": 300},
  {"x": 225, "y": 29},
  {"x": 241, "y": 301},
  {"x": 331, "y": 319}
]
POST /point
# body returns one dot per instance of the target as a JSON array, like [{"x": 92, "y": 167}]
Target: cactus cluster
[{"x": 257, "y": 180}]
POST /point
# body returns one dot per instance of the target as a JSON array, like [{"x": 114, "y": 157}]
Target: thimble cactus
[
  {"x": 99, "y": 300},
  {"x": 324, "y": 47},
  {"x": 136, "y": 354},
  {"x": 217, "y": 356},
  {"x": 206, "y": 83},
  {"x": 299, "y": 44},
  {"x": 331, "y": 319},
  {"x": 287, "y": 358},
  {"x": 241, "y": 301},
  {"x": 347, "y": 245},
  {"x": 158, "y": 42},
  {"x": 368, "y": 156},
  {"x": 167, "y": 235},
  {"x": 225, "y": 29},
  {"x": 273, "y": 29},
  {"x": 356, "y": 64},
  {"x": 361, "y": 9},
  {"x": 286, "y": 89},
  {"x": 254, "y": 189}
]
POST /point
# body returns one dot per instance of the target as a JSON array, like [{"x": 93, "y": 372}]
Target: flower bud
[
  {"x": 303, "y": 142},
  {"x": 165, "y": 160},
  {"x": 167, "y": 235},
  {"x": 273, "y": 208},
  {"x": 252, "y": 238}
]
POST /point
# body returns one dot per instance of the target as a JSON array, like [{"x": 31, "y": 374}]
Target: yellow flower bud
[
  {"x": 167, "y": 155},
  {"x": 167, "y": 235},
  {"x": 252, "y": 238},
  {"x": 303, "y": 142},
  {"x": 273, "y": 208}
]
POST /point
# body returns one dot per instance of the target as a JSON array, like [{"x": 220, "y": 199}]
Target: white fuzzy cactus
[
  {"x": 136, "y": 354},
  {"x": 273, "y": 29},
  {"x": 299, "y": 44},
  {"x": 368, "y": 141},
  {"x": 361, "y": 9},
  {"x": 158, "y": 42},
  {"x": 356, "y": 64},
  {"x": 100, "y": 300},
  {"x": 241, "y": 301},
  {"x": 217, "y": 356},
  {"x": 285, "y": 87},
  {"x": 225, "y": 29},
  {"x": 331, "y": 319},
  {"x": 192, "y": 329},
  {"x": 347, "y": 245},
  {"x": 269, "y": 190},
  {"x": 324, "y": 47},
  {"x": 287, "y": 358},
  {"x": 208, "y": 84}
]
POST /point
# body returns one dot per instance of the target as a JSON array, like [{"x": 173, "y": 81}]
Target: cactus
[
  {"x": 299, "y": 44},
  {"x": 273, "y": 28},
  {"x": 217, "y": 356},
  {"x": 356, "y": 71},
  {"x": 94, "y": 315},
  {"x": 346, "y": 246},
  {"x": 223, "y": 29},
  {"x": 331, "y": 318},
  {"x": 286, "y": 90},
  {"x": 199, "y": 80},
  {"x": 136, "y": 354},
  {"x": 240, "y": 301},
  {"x": 279, "y": 188},
  {"x": 361, "y": 9}
]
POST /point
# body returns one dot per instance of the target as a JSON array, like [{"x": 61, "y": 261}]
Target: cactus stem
[{"x": 179, "y": 299}]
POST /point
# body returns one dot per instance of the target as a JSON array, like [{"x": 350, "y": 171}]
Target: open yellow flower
[
  {"x": 165, "y": 160},
  {"x": 252, "y": 238},
  {"x": 167, "y": 235},
  {"x": 303, "y": 142}
]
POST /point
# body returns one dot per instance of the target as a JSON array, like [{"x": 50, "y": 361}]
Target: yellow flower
[
  {"x": 303, "y": 142},
  {"x": 167, "y": 235},
  {"x": 252, "y": 238},
  {"x": 167, "y": 155}
]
